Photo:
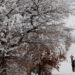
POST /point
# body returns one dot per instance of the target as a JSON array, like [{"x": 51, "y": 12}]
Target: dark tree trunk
[
  {"x": 3, "y": 66},
  {"x": 28, "y": 73},
  {"x": 39, "y": 69}
]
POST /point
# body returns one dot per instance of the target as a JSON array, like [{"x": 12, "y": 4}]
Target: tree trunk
[
  {"x": 3, "y": 66},
  {"x": 28, "y": 73},
  {"x": 39, "y": 69}
]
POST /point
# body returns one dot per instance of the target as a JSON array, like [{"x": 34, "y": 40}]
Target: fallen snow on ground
[{"x": 65, "y": 67}]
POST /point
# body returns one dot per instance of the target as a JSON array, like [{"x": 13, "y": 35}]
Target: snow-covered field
[{"x": 65, "y": 67}]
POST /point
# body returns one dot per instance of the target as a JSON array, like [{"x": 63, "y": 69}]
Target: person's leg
[{"x": 73, "y": 68}]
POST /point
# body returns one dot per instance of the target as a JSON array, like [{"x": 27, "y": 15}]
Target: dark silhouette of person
[{"x": 73, "y": 63}]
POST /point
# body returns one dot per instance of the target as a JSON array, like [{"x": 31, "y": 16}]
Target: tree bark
[
  {"x": 29, "y": 73},
  {"x": 3, "y": 66},
  {"x": 39, "y": 71}
]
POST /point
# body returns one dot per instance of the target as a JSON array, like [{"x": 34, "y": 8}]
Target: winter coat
[{"x": 73, "y": 63}]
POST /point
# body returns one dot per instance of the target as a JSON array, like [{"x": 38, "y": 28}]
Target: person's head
[{"x": 73, "y": 58}]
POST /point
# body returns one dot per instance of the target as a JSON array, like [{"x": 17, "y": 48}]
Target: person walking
[{"x": 73, "y": 63}]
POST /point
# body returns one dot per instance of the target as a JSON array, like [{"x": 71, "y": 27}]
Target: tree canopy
[{"x": 33, "y": 37}]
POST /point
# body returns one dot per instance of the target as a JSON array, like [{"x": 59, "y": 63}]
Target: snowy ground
[{"x": 65, "y": 67}]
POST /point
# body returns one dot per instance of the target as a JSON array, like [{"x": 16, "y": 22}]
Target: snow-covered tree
[{"x": 33, "y": 37}]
